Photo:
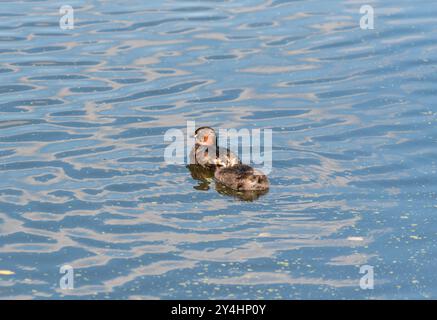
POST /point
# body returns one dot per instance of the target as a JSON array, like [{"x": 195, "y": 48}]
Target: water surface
[{"x": 84, "y": 183}]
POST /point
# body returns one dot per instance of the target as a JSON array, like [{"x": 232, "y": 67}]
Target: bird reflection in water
[{"x": 205, "y": 176}]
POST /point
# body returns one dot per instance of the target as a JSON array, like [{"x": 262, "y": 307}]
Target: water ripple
[{"x": 84, "y": 181}]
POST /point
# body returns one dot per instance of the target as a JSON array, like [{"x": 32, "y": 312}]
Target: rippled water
[{"x": 83, "y": 180}]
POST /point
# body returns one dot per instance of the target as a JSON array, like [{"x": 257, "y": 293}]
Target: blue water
[{"x": 84, "y": 183}]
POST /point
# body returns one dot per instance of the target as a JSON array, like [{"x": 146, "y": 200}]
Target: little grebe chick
[
  {"x": 206, "y": 152},
  {"x": 241, "y": 177}
]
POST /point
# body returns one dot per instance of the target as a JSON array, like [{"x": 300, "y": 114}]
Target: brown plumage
[
  {"x": 206, "y": 152},
  {"x": 241, "y": 177}
]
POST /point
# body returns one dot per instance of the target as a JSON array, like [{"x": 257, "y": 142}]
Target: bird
[
  {"x": 242, "y": 177},
  {"x": 207, "y": 154},
  {"x": 228, "y": 168}
]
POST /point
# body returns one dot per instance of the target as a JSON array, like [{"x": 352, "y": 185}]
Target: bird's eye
[{"x": 205, "y": 138}]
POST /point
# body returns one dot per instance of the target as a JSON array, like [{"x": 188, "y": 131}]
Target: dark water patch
[
  {"x": 176, "y": 198},
  {"x": 414, "y": 44},
  {"x": 354, "y": 56},
  {"x": 14, "y": 88},
  {"x": 238, "y": 38},
  {"x": 5, "y": 153},
  {"x": 70, "y": 170},
  {"x": 192, "y": 9},
  {"x": 383, "y": 169},
  {"x": 120, "y": 121},
  {"x": 285, "y": 41},
  {"x": 428, "y": 78},
  {"x": 341, "y": 93},
  {"x": 121, "y": 204},
  {"x": 50, "y": 63},
  {"x": 11, "y": 38},
  {"x": 419, "y": 112},
  {"x": 11, "y": 14},
  {"x": 221, "y": 57},
  {"x": 129, "y": 187},
  {"x": 226, "y": 95},
  {"x": 140, "y": 25},
  {"x": 142, "y": 159},
  {"x": 129, "y": 80},
  {"x": 9, "y": 51},
  {"x": 5, "y": 70},
  {"x": 22, "y": 237},
  {"x": 61, "y": 208},
  {"x": 378, "y": 102},
  {"x": 92, "y": 191},
  {"x": 19, "y": 123},
  {"x": 419, "y": 14},
  {"x": 260, "y": 24},
  {"x": 63, "y": 194},
  {"x": 53, "y": 34},
  {"x": 78, "y": 124},
  {"x": 159, "y": 107},
  {"x": 110, "y": 245},
  {"x": 424, "y": 158},
  {"x": 180, "y": 30},
  {"x": 311, "y": 125},
  {"x": 120, "y": 12},
  {"x": 292, "y": 181},
  {"x": 122, "y": 69},
  {"x": 90, "y": 22},
  {"x": 157, "y": 92},
  {"x": 205, "y": 18},
  {"x": 141, "y": 132},
  {"x": 50, "y": 207},
  {"x": 296, "y": 162},
  {"x": 425, "y": 92},
  {"x": 43, "y": 24},
  {"x": 81, "y": 152},
  {"x": 14, "y": 106},
  {"x": 316, "y": 81},
  {"x": 96, "y": 223},
  {"x": 336, "y": 45},
  {"x": 11, "y": 192},
  {"x": 44, "y": 49},
  {"x": 44, "y": 177},
  {"x": 60, "y": 77},
  {"x": 71, "y": 113},
  {"x": 165, "y": 71},
  {"x": 90, "y": 89},
  {"x": 44, "y": 260},
  {"x": 278, "y": 3},
  {"x": 261, "y": 115},
  {"x": 43, "y": 136}
]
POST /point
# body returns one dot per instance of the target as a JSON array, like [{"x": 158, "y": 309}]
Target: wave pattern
[{"x": 84, "y": 183}]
